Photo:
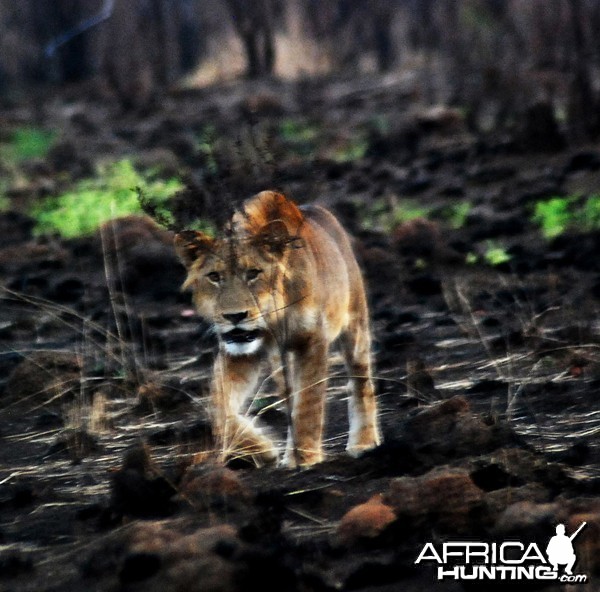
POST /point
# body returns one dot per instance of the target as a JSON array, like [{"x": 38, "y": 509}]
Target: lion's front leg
[
  {"x": 305, "y": 433},
  {"x": 235, "y": 379},
  {"x": 362, "y": 405}
]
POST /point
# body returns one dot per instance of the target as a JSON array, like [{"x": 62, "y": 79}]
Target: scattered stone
[
  {"x": 529, "y": 519},
  {"x": 419, "y": 383},
  {"x": 365, "y": 521},
  {"x": 77, "y": 444},
  {"x": 464, "y": 432},
  {"x": 157, "y": 396},
  {"x": 45, "y": 376},
  {"x": 67, "y": 290},
  {"x": 13, "y": 564},
  {"x": 165, "y": 559},
  {"x": 15, "y": 228},
  {"x": 445, "y": 497},
  {"x": 213, "y": 485},
  {"x": 144, "y": 255},
  {"x": 499, "y": 499},
  {"x": 539, "y": 130},
  {"x": 417, "y": 238},
  {"x": 440, "y": 119},
  {"x": 137, "y": 490}
]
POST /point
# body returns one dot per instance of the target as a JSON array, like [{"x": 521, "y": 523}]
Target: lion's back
[{"x": 336, "y": 278}]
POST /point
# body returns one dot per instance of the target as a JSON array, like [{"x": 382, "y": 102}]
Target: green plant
[
  {"x": 457, "y": 214},
  {"x": 589, "y": 215},
  {"x": 206, "y": 145},
  {"x": 496, "y": 254},
  {"x": 300, "y": 136},
  {"x": 471, "y": 258},
  {"x": 4, "y": 201},
  {"x": 553, "y": 215},
  {"x": 386, "y": 216},
  {"x": 353, "y": 149},
  {"x": 26, "y": 143},
  {"x": 93, "y": 201},
  {"x": 558, "y": 214},
  {"x": 293, "y": 130}
]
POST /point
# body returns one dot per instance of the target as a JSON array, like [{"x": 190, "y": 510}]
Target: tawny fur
[{"x": 285, "y": 281}]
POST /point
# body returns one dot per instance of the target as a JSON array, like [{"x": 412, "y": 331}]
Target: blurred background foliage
[{"x": 496, "y": 59}]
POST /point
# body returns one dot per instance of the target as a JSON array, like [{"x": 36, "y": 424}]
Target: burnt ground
[{"x": 488, "y": 376}]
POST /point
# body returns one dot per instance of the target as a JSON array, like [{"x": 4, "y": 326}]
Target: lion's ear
[
  {"x": 190, "y": 244},
  {"x": 275, "y": 237}
]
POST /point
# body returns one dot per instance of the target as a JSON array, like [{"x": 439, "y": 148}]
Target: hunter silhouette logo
[
  {"x": 560, "y": 549},
  {"x": 506, "y": 560}
]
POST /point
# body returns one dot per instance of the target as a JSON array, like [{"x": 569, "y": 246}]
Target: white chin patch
[{"x": 243, "y": 349}]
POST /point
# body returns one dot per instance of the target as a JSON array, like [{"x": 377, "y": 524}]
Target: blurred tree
[
  {"x": 146, "y": 45},
  {"x": 494, "y": 58},
  {"x": 129, "y": 41},
  {"x": 354, "y": 29},
  {"x": 254, "y": 23},
  {"x": 583, "y": 105},
  {"x": 73, "y": 61}
]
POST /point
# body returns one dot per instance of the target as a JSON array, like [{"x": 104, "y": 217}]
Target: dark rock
[
  {"x": 14, "y": 564},
  {"x": 490, "y": 174},
  {"x": 576, "y": 455},
  {"x": 529, "y": 519},
  {"x": 365, "y": 521},
  {"x": 163, "y": 558},
  {"x": 487, "y": 386},
  {"x": 214, "y": 486},
  {"x": 77, "y": 444},
  {"x": 48, "y": 420},
  {"x": 539, "y": 130},
  {"x": 425, "y": 284},
  {"x": 138, "y": 567},
  {"x": 583, "y": 161},
  {"x": 45, "y": 375},
  {"x": 137, "y": 491},
  {"x": 144, "y": 254},
  {"x": 444, "y": 496},
  {"x": 15, "y": 228},
  {"x": 463, "y": 431},
  {"x": 67, "y": 290},
  {"x": 493, "y": 476}
]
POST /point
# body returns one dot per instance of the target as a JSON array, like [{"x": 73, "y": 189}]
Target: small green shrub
[
  {"x": 553, "y": 215},
  {"x": 300, "y": 136},
  {"x": 558, "y": 214},
  {"x": 406, "y": 212},
  {"x": 93, "y": 201},
  {"x": 26, "y": 143},
  {"x": 381, "y": 215},
  {"x": 206, "y": 146},
  {"x": 496, "y": 254},
  {"x": 352, "y": 150},
  {"x": 456, "y": 214},
  {"x": 293, "y": 130},
  {"x": 589, "y": 216}
]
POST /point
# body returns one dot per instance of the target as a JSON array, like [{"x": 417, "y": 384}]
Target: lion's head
[{"x": 237, "y": 278}]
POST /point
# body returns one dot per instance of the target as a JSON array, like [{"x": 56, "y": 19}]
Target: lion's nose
[{"x": 235, "y": 317}]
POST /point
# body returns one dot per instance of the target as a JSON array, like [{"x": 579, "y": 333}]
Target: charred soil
[{"x": 487, "y": 365}]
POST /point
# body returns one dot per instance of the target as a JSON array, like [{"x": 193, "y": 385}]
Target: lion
[{"x": 282, "y": 284}]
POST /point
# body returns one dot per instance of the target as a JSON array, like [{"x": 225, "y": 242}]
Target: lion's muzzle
[{"x": 242, "y": 341}]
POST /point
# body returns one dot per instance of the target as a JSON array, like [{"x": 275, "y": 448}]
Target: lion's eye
[
  {"x": 214, "y": 277},
  {"x": 252, "y": 274}
]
